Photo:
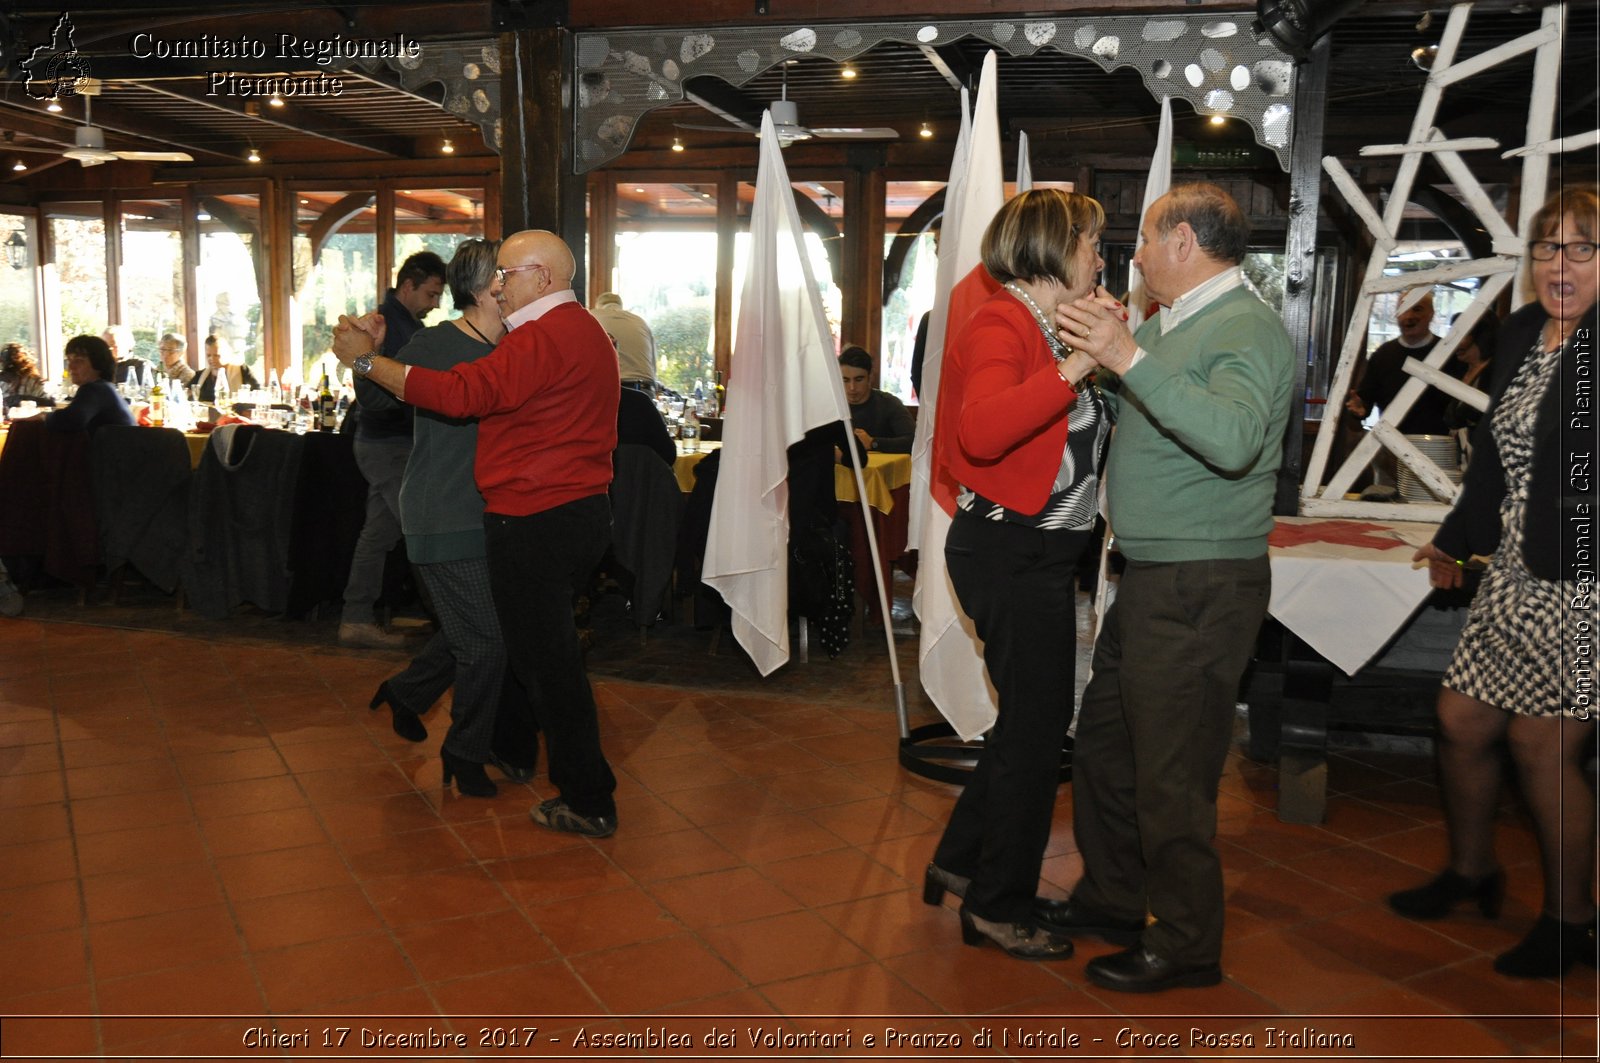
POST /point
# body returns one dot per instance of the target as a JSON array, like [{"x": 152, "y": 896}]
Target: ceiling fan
[
  {"x": 89, "y": 140},
  {"x": 786, "y": 122}
]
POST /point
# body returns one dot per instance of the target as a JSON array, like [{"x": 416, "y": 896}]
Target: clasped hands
[
  {"x": 355, "y": 336},
  {"x": 1097, "y": 325}
]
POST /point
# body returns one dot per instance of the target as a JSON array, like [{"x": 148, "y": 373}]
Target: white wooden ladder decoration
[{"x": 1496, "y": 272}]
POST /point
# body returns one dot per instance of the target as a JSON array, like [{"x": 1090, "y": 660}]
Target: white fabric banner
[
  {"x": 950, "y": 655},
  {"x": 1024, "y": 164},
  {"x": 1155, "y": 186},
  {"x": 784, "y": 382}
]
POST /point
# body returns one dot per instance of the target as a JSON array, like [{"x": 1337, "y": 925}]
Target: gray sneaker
[{"x": 555, "y": 814}]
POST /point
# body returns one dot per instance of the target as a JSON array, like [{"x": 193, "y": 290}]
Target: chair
[
  {"x": 141, "y": 492},
  {"x": 48, "y": 511},
  {"x": 645, "y": 509}
]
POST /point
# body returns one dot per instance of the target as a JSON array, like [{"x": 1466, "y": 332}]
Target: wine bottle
[
  {"x": 327, "y": 407},
  {"x": 158, "y": 405}
]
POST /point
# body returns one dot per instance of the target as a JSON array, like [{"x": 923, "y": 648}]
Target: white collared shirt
[
  {"x": 539, "y": 308},
  {"x": 1192, "y": 302}
]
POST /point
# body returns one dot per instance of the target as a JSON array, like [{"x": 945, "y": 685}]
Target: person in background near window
[
  {"x": 91, "y": 367},
  {"x": 219, "y": 360},
  {"x": 1476, "y": 354},
  {"x": 1385, "y": 374},
  {"x": 173, "y": 362},
  {"x": 881, "y": 421},
  {"x": 1205, "y": 390},
  {"x": 1515, "y": 677},
  {"x": 636, "y": 344},
  {"x": 382, "y": 448},
  {"x": 1021, "y": 429},
  {"x": 639, "y": 423},
  {"x": 19, "y": 374},
  {"x": 119, "y": 338}
]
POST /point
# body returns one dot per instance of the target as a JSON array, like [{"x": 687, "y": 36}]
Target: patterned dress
[{"x": 1511, "y": 650}]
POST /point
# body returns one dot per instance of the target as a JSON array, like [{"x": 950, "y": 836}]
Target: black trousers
[
  {"x": 1017, "y": 585},
  {"x": 1152, "y": 738},
  {"x": 535, "y": 564}
]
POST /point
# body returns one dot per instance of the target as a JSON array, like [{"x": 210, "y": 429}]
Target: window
[
  {"x": 19, "y": 321},
  {"x": 228, "y": 280},
  {"x": 335, "y": 272},
  {"x": 911, "y": 241},
  {"x": 75, "y": 281},
  {"x": 151, "y": 272},
  {"x": 665, "y": 270},
  {"x": 437, "y": 220}
]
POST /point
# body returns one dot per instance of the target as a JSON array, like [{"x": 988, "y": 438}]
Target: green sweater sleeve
[{"x": 1224, "y": 413}]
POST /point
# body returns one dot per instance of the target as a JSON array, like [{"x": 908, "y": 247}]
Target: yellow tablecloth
[{"x": 883, "y": 474}]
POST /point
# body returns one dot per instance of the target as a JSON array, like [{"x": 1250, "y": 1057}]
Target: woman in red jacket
[{"x": 1022, "y": 430}]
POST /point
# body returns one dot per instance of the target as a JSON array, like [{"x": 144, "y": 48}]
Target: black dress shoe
[
  {"x": 1448, "y": 889},
  {"x": 1550, "y": 948},
  {"x": 1138, "y": 970},
  {"x": 514, "y": 772},
  {"x": 1075, "y": 918},
  {"x": 407, "y": 724},
  {"x": 470, "y": 777}
]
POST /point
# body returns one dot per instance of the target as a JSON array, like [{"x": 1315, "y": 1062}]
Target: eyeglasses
[
  {"x": 501, "y": 271},
  {"x": 1576, "y": 251}
]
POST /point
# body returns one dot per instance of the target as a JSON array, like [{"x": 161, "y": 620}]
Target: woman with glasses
[{"x": 1514, "y": 676}]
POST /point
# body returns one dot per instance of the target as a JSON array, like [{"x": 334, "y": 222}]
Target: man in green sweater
[{"x": 1204, "y": 398}]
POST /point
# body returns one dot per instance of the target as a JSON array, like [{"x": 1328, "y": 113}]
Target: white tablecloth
[{"x": 1347, "y": 599}]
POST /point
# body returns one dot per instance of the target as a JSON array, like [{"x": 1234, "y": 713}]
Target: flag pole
[{"x": 877, "y": 577}]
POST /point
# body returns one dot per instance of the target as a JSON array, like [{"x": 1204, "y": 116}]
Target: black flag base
[{"x": 933, "y": 751}]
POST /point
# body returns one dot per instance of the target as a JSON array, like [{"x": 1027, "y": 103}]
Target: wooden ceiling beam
[
  {"x": 322, "y": 126},
  {"x": 114, "y": 120}
]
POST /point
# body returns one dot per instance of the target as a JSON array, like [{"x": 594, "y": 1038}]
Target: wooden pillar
[
  {"x": 1299, "y": 297},
  {"x": 864, "y": 211},
  {"x": 602, "y": 231},
  {"x": 727, "y": 232},
  {"x": 111, "y": 220},
  {"x": 189, "y": 236},
  {"x": 540, "y": 186},
  {"x": 383, "y": 230}
]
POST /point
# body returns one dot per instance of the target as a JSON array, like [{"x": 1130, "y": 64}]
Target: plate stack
[{"x": 1443, "y": 452}]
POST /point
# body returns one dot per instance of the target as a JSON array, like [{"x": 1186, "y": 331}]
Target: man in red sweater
[{"x": 546, "y": 403}]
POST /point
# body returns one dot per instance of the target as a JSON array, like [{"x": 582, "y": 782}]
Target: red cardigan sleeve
[{"x": 499, "y": 382}]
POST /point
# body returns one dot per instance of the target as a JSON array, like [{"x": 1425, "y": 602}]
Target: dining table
[
  {"x": 887, "y": 478},
  {"x": 1344, "y": 592}
]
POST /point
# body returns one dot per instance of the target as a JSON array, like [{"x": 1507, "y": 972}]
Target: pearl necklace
[{"x": 1057, "y": 348}]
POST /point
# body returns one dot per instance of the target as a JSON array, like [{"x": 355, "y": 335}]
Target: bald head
[{"x": 536, "y": 262}]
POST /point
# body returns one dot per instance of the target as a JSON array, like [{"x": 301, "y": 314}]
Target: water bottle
[{"x": 220, "y": 391}]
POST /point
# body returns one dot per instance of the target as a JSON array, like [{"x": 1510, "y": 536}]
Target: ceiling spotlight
[
  {"x": 447, "y": 148},
  {"x": 202, "y": 216},
  {"x": 926, "y": 132},
  {"x": 677, "y": 144},
  {"x": 275, "y": 100},
  {"x": 1218, "y": 119},
  {"x": 54, "y": 106},
  {"x": 1423, "y": 55},
  {"x": 19, "y": 166},
  {"x": 848, "y": 73},
  {"x": 254, "y": 156}
]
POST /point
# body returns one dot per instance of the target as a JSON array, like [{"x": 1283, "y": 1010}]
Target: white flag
[
  {"x": 784, "y": 382},
  {"x": 1155, "y": 186},
  {"x": 950, "y": 655}
]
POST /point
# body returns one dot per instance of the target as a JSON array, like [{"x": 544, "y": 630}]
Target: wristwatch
[{"x": 362, "y": 365}]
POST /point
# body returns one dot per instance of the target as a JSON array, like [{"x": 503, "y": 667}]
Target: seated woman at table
[
  {"x": 441, "y": 515},
  {"x": 19, "y": 375},
  {"x": 1513, "y": 677},
  {"x": 97, "y": 404},
  {"x": 220, "y": 360},
  {"x": 880, "y": 420},
  {"x": 1021, "y": 429}
]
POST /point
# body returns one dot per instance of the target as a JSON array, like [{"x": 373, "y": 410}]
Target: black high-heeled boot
[
  {"x": 1549, "y": 949},
  {"x": 1449, "y": 889},
  {"x": 407, "y": 724},
  {"x": 470, "y": 777}
]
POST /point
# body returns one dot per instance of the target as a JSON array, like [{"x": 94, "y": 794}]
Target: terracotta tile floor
[{"x": 212, "y": 832}]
